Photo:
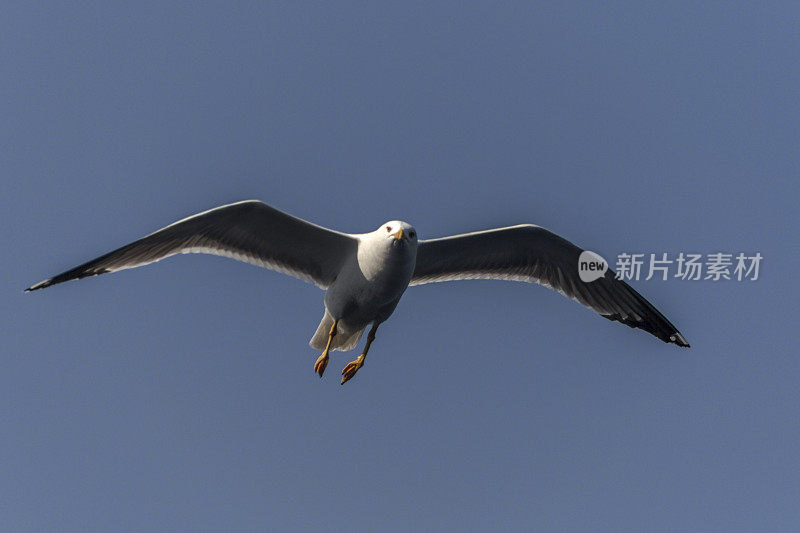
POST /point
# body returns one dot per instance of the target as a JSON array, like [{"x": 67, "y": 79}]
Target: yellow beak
[{"x": 398, "y": 234}]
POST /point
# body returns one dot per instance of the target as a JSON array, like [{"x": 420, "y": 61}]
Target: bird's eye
[
  {"x": 412, "y": 233},
  {"x": 388, "y": 229}
]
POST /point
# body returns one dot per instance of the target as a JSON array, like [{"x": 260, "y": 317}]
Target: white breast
[{"x": 376, "y": 276}]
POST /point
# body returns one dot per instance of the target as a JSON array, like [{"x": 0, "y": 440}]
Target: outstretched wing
[
  {"x": 533, "y": 254},
  {"x": 248, "y": 231}
]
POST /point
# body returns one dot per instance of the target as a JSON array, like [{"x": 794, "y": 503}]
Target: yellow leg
[
  {"x": 352, "y": 367},
  {"x": 322, "y": 360}
]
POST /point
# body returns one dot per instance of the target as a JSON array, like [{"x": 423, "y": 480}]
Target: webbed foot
[
  {"x": 322, "y": 362},
  {"x": 352, "y": 367}
]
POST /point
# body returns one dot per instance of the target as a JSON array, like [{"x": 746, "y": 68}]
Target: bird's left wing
[
  {"x": 533, "y": 254},
  {"x": 248, "y": 231}
]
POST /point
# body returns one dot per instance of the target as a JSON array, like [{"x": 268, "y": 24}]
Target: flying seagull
[{"x": 365, "y": 275}]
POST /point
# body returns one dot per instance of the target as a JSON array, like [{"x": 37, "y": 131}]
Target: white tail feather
[{"x": 344, "y": 340}]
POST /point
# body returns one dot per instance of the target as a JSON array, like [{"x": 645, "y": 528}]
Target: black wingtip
[
  {"x": 680, "y": 340},
  {"x": 40, "y": 285}
]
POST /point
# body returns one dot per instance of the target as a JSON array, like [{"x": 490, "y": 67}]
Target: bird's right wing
[{"x": 248, "y": 231}]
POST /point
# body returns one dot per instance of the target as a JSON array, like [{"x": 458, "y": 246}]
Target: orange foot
[
  {"x": 352, "y": 367},
  {"x": 322, "y": 362}
]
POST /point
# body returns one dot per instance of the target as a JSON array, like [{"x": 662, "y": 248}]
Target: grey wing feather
[
  {"x": 249, "y": 231},
  {"x": 532, "y": 254}
]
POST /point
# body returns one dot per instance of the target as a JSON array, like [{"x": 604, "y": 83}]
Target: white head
[
  {"x": 398, "y": 233},
  {"x": 390, "y": 250}
]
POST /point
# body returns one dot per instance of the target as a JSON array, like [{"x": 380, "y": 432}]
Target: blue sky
[{"x": 181, "y": 396}]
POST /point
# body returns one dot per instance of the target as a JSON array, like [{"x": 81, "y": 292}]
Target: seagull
[{"x": 365, "y": 275}]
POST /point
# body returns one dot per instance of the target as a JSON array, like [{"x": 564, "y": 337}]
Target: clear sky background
[{"x": 181, "y": 396}]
